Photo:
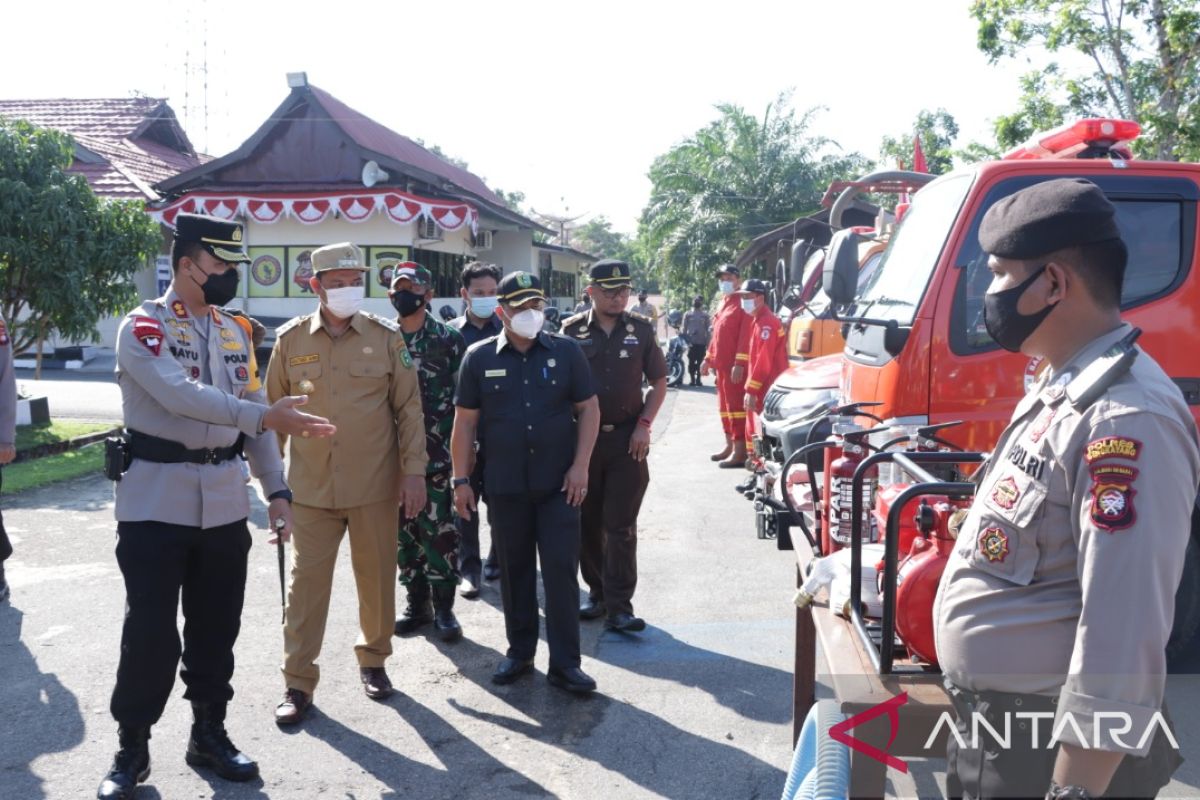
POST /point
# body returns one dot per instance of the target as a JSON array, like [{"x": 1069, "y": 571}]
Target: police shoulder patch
[
  {"x": 1112, "y": 496},
  {"x": 1112, "y": 447},
  {"x": 149, "y": 332}
]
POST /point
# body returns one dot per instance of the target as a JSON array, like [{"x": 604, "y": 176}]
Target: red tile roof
[{"x": 138, "y": 140}]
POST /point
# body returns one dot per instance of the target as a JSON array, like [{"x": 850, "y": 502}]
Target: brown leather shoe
[
  {"x": 375, "y": 682},
  {"x": 293, "y": 708}
]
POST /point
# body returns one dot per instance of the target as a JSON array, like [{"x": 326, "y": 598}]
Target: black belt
[
  {"x": 167, "y": 451},
  {"x": 991, "y": 702}
]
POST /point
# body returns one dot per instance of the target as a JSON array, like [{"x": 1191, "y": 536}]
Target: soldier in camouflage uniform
[{"x": 428, "y": 545}]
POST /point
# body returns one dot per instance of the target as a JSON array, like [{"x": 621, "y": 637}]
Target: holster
[{"x": 116, "y": 457}]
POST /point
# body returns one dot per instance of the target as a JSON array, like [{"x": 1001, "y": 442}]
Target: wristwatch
[
  {"x": 457, "y": 482},
  {"x": 286, "y": 494},
  {"x": 1067, "y": 792}
]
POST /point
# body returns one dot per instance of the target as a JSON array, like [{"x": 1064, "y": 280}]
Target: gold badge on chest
[{"x": 306, "y": 386}]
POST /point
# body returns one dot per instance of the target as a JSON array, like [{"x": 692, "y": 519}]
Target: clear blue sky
[{"x": 567, "y": 102}]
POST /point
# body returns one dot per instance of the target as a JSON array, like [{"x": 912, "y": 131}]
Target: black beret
[
  {"x": 1046, "y": 217},
  {"x": 610, "y": 273},
  {"x": 517, "y": 287},
  {"x": 218, "y": 236}
]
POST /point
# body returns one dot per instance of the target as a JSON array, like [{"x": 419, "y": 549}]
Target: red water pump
[{"x": 936, "y": 527}]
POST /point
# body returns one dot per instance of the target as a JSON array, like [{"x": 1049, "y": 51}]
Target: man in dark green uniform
[{"x": 428, "y": 546}]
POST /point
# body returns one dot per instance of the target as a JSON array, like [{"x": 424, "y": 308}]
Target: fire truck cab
[{"x": 917, "y": 343}]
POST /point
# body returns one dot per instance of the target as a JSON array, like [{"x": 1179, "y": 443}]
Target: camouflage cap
[
  {"x": 414, "y": 272},
  {"x": 343, "y": 255}
]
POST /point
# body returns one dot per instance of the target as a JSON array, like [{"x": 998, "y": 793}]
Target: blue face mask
[
  {"x": 748, "y": 305},
  {"x": 483, "y": 307}
]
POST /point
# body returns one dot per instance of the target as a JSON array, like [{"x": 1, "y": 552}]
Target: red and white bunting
[{"x": 312, "y": 208}]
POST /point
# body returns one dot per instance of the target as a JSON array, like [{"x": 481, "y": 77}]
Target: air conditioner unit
[
  {"x": 427, "y": 228},
  {"x": 483, "y": 240}
]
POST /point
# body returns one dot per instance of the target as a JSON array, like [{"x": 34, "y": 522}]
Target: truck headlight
[{"x": 801, "y": 401}]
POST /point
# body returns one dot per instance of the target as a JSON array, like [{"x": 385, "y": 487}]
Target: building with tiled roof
[{"x": 123, "y": 146}]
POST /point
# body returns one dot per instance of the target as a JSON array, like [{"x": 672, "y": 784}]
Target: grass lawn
[
  {"x": 29, "y": 436},
  {"x": 41, "y": 471}
]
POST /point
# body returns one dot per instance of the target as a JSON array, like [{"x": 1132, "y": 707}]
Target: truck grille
[{"x": 771, "y": 403}]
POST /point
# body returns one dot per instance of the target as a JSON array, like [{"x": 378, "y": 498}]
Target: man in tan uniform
[
  {"x": 191, "y": 400},
  {"x": 355, "y": 369},
  {"x": 1059, "y": 596}
]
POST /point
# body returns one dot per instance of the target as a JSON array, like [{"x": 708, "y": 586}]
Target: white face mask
[
  {"x": 726, "y": 287},
  {"x": 528, "y": 323},
  {"x": 344, "y": 302},
  {"x": 748, "y": 305}
]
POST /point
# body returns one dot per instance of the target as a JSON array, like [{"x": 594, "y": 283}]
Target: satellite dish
[{"x": 372, "y": 174}]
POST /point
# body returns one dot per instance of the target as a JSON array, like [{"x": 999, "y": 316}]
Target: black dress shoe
[
  {"x": 625, "y": 622},
  {"x": 293, "y": 708},
  {"x": 592, "y": 609},
  {"x": 510, "y": 669},
  {"x": 573, "y": 679},
  {"x": 375, "y": 682},
  {"x": 491, "y": 572}
]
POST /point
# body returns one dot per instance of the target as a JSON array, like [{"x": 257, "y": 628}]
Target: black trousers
[
  {"x": 530, "y": 528},
  {"x": 616, "y": 486},
  {"x": 984, "y": 770},
  {"x": 5, "y": 545},
  {"x": 161, "y": 562},
  {"x": 470, "y": 564},
  {"x": 695, "y": 357}
]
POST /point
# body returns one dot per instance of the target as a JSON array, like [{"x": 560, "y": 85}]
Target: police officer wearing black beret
[
  {"x": 622, "y": 349},
  {"x": 1058, "y": 598},
  {"x": 192, "y": 402},
  {"x": 534, "y": 392}
]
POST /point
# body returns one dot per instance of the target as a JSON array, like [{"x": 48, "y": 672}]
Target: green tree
[
  {"x": 1146, "y": 55},
  {"x": 936, "y": 130},
  {"x": 67, "y": 258},
  {"x": 735, "y": 178},
  {"x": 598, "y": 238}
]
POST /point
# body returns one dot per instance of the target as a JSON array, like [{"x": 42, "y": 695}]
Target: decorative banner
[
  {"x": 312, "y": 208},
  {"x": 381, "y": 260},
  {"x": 300, "y": 270},
  {"x": 266, "y": 272}
]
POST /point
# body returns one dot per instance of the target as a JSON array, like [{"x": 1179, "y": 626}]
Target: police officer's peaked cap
[
  {"x": 610, "y": 273},
  {"x": 419, "y": 275},
  {"x": 730, "y": 269},
  {"x": 1046, "y": 217},
  {"x": 517, "y": 287},
  {"x": 222, "y": 238},
  {"x": 754, "y": 286},
  {"x": 343, "y": 255}
]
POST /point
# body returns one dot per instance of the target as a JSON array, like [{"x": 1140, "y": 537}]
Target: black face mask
[
  {"x": 1009, "y": 327},
  {"x": 219, "y": 289},
  {"x": 407, "y": 303}
]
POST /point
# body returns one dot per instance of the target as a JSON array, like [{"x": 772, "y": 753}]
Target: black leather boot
[
  {"x": 209, "y": 745},
  {"x": 419, "y": 611},
  {"x": 444, "y": 621},
  {"x": 131, "y": 765}
]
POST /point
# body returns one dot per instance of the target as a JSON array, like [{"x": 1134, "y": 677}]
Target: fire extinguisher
[
  {"x": 841, "y": 490},
  {"x": 834, "y": 453}
]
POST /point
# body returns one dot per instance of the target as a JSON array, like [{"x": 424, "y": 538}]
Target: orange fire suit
[
  {"x": 768, "y": 357},
  {"x": 727, "y": 348}
]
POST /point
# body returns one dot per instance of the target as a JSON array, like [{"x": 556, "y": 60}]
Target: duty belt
[
  {"x": 990, "y": 703},
  {"x": 167, "y": 451}
]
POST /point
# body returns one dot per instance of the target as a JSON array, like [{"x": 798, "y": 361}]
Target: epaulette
[
  {"x": 1102, "y": 373},
  {"x": 290, "y": 324},
  {"x": 390, "y": 324},
  {"x": 640, "y": 317},
  {"x": 571, "y": 320}
]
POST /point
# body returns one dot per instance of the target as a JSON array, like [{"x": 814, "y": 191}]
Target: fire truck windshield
[{"x": 895, "y": 289}]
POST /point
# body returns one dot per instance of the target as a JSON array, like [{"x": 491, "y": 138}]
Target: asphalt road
[
  {"x": 697, "y": 706},
  {"x": 80, "y": 394}
]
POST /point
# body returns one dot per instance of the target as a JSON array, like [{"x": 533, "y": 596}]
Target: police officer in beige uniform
[
  {"x": 191, "y": 400},
  {"x": 354, "y": 368},
  {"x": 1059, "y": 595}
]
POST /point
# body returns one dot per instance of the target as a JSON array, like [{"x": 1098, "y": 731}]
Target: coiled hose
[{"x": 820, "y": 766}]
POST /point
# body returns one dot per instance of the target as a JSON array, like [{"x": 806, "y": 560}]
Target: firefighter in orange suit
[
  {"x": 728, "y": 356},
  {"x": 767, "y": 346}
]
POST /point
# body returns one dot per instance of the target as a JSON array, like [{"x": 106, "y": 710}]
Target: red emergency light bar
[{"x": 1087, "y": 138}]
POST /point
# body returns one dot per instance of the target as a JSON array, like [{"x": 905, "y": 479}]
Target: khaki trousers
[{"x": 315, "y": 541}]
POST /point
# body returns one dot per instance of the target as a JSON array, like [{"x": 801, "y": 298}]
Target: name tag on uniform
[
  {"x": 631, "y": 340},
  {"x": 495, "y": 373},
  {"x": 296, "y": 361}
]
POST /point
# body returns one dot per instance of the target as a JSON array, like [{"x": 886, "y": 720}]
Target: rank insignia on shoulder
[
  {"x": 179, "y": 309},
  {"x": 1112, "y": 447},
  {"x": 993, "y": 544}
]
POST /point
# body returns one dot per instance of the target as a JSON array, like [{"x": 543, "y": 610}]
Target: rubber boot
[
  {"x": 419, "y": 611},
  {"x": 209, "y": 745},
  {"x": 724, "y": 454},
  {"x": 737, "y": 458},
  {"x": 131, "y": 765},
  {"x": 448, "y": 629}
]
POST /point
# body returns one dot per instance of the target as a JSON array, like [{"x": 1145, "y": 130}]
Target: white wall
[{"x": 510, "y": 250}]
